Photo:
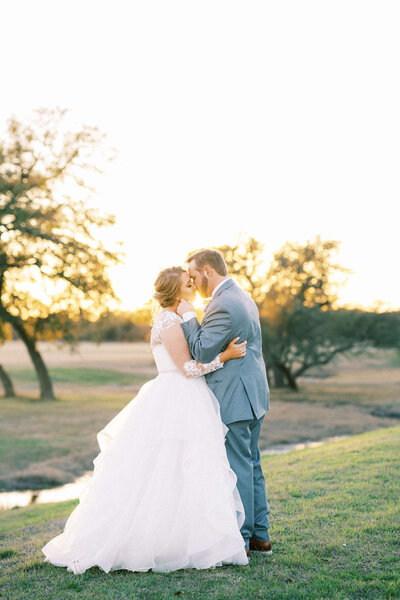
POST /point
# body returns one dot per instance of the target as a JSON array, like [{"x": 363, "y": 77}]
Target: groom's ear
[{"x": 208, "y": 271}]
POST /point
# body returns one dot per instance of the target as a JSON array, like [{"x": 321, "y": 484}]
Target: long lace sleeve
[
  {"x": 193, "y": 368},
  {"x": 167, "y": 330}
]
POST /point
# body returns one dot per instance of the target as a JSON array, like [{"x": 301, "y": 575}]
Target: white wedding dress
[{"x": 162, "y": 495}]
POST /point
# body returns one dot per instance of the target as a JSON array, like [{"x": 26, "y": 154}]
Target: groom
[{"x": 241, "y": 387}]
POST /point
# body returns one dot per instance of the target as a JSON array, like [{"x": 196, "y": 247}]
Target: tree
[
  {"x": 48, "y": 233},
  {"x": 246, "y": 264},
  {"x": 303, "y": 282},
  {"x": 307, "y": 337},
  {"x": 297, "y": 299}
]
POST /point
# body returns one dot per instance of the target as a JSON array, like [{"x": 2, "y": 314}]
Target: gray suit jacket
[{"x": 241, "y": 385}]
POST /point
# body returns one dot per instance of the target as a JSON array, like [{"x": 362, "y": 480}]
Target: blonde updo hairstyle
[{"x": 167, "y": 286}]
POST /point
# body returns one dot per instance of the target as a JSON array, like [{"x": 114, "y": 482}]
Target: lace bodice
[
  {"x": 163, "y": 360},
  {"x": 164, "y": 320}
]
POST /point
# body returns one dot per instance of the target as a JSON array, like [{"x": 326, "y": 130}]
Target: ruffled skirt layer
[{"x": 162, "y": 495}]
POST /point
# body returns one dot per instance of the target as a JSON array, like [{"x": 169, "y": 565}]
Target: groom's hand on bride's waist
[{"x": 186, "y": 310}]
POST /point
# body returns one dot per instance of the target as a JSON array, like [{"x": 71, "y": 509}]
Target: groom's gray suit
[{"x": 242, "y": 390}]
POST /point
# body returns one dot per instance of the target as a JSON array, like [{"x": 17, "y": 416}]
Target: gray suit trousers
[{"x": 244, "y": 457}]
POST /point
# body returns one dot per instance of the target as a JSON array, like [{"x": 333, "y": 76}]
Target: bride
[{"x": 162, "y": 495}]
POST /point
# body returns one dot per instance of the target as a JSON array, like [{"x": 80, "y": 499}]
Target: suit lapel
[{"x": 225, "y": 286}]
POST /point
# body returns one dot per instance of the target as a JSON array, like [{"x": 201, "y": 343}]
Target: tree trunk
[
  {"x": 45, "y": 383},
  {"x": 279, "y": 380},
  {"x": 9, "y": 391},
  {"x": 290, "y": 378},
  {"x": 291, "y": 381},
  {"x": 274, "y": 375}
]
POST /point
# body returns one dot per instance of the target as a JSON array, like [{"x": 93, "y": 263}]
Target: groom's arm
[{"x": 206, "y": 341}]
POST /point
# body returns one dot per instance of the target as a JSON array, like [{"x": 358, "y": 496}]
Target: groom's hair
[{"x": 212, "y": 258}]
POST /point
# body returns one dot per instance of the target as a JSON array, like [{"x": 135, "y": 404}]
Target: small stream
[
  {"x": 71, "y": 491},
  {"x": 284, "y": 448}
]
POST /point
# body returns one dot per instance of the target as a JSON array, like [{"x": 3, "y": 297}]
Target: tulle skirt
[{"x": 162, "y": 495}]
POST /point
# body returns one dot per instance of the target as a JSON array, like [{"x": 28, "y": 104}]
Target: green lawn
[
  {"x": 335, "y": 532},
  {"x": 77, "y": 375}
]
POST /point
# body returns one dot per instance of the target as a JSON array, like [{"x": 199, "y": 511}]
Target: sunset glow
[{"x": 276, "y": 119}]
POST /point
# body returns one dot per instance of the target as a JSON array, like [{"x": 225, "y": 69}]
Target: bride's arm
[{"x": 178, "y": 349}]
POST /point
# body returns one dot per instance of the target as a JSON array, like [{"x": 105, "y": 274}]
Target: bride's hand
[
  {"x": 233, "y": 350},
  {"x": 184, "y": 306}
]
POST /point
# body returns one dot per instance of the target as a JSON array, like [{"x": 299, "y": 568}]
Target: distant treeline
[
  {"x": 118, "y": 326},
  {"x": 115, "y": 327}
]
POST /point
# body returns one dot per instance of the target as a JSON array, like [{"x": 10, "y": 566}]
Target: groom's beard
[{"x": 203, "y": 289}]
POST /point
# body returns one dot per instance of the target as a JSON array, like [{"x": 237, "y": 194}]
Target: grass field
[
  {"x": 80, "y": 376},
  {"x": 44, "y": 443},
  {"x": 335, "y": 518}
]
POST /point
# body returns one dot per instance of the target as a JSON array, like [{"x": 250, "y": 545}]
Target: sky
[{"x": 276, "y": 119}]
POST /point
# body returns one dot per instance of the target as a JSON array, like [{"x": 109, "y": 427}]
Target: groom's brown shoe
[
  {"x": 248, "y": 551},
  {"x": 260, "y": 546}
]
